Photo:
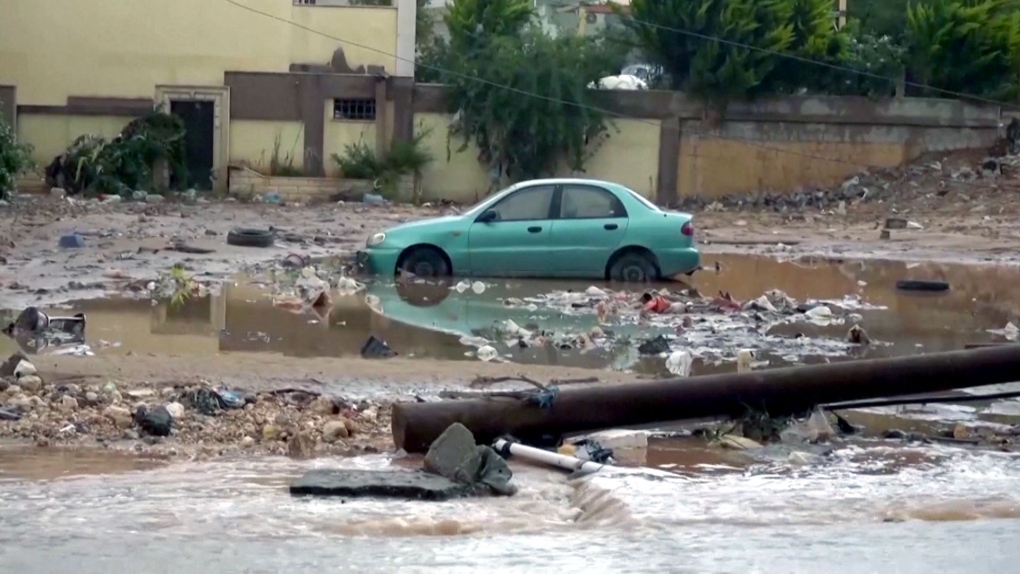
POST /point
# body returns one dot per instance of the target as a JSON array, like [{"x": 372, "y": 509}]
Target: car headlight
[{"x": 375, "y": 239}]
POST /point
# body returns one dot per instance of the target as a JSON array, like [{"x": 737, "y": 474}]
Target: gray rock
[
  {"x": 452, "y": 454},
  {"x": 8, "y": 366},
  {"x": 413, "y": 485},
  {"x": 455, "y": 456}
]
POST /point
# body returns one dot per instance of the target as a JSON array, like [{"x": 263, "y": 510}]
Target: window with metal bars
[{"x": 359, "y": 109}]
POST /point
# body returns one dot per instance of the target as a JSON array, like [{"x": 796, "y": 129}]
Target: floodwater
[
  {"x": 428, "y": 322},
  {"x": 862, "y": 509},
  {"x": 858, "y": 508}
]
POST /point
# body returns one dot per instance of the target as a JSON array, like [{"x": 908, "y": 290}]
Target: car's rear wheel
[
  {"x": 633, "y": 268},
  {"x": 425, "y": 262}
]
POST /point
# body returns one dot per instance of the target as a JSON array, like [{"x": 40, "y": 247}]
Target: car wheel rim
[
  {"x": 424, "y": 269},
  {"x": 633, "y": 273}
]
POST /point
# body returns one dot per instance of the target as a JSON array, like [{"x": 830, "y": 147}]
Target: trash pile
[
  {"x": 957, "y": 177},
  {"x": 311, "y": 288},
  {"x": 679, "y": 326},
  {"x": 189, "y": 419}
]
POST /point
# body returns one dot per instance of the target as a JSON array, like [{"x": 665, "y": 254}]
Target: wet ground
[{"x": 428, "y": 322}]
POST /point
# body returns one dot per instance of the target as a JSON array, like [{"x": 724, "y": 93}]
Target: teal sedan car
[{"x": 546, "y": 228}]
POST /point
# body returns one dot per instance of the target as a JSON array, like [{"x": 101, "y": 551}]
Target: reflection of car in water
[
  {"x": 435, "y": 306},
  {"x": 544, "y": 228}
]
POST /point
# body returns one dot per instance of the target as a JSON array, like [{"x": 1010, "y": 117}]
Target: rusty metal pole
[{"x": 775, "y": 391}]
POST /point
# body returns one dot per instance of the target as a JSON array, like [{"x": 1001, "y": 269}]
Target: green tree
[
  {"x": 815, "y": 39},
  {"x": 518, "y": 94},
  {"x": 710, "y": 69},
  {"x": 967, "y": 46},
  {"x": 879, "y": 18}
]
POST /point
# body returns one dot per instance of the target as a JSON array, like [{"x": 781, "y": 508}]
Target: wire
[{"x": 557, "y": 100}]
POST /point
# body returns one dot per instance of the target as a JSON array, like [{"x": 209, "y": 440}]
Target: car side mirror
[{"x": 488, "y": 216}]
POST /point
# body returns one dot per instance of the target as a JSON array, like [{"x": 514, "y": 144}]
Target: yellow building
[{"x": 243, "y": 74}]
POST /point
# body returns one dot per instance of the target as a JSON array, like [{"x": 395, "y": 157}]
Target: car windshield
[
  {"x": 644, "y": 201},
  {"x": 489, "y": 199}
]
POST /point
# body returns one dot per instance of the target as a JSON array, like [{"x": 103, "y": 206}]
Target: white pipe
[{"x": 551, "y": 458}]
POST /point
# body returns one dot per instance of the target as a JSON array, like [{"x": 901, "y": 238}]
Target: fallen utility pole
[{"x": 777, "y": 392}]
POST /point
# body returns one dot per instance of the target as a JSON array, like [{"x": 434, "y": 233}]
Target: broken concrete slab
[
  {"x": 455, "y": 455},
  {"x": 413, "y": 485}
]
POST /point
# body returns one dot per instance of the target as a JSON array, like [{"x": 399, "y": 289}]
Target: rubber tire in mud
[
  {"x": 624, "y": 268},
  {"x": 413, "y": 261},
  {"x": 251, "y": 238},
  {"x": 922, "y": 285}
]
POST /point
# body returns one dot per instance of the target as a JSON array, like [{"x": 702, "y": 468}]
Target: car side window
[
  {"x": 525, "y": 204},
  {"x": 589, "y": 202}
]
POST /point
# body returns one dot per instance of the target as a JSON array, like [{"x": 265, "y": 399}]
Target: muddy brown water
[
  {"x": 243, "y": 318},
  {"x": 867, "y": 506},
  {"x": 864, "y": 508}
]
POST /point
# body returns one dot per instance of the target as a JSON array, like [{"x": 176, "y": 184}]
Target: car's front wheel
[
  {"x": 633, "y": 268},
  {"x": 425, "y": 262}
]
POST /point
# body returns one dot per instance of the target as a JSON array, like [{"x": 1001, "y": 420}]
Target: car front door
[
  {"x": 591, "y": 224},
  {"x": 516, "y": 242}
]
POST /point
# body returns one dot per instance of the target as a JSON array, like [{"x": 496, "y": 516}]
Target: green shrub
[
  {"x": 124, "y": 164},
  {"x": 359, "y": 161},
  {"x": 15, "y": 159}
]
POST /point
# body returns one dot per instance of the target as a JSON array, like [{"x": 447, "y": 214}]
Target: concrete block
[{"x": 413, "y": 485}]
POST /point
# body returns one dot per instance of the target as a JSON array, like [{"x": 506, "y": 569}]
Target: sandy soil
[{"x": 354, "y": 377}]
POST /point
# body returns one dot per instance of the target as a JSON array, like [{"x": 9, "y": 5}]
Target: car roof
[{"x": 566, "y": 180}]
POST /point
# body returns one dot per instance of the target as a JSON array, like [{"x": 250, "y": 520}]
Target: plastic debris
[
  {"x": 679, "y": 363},
  {"x": 375, "y": 348},
  {"x": 478, "y": 287},
  {"x": 72, "y": 241},
  {"x": 487, "y": 353}
]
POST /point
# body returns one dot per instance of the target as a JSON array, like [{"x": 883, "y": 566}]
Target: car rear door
[
  {"x": 590, "y": 225},
  {"x": 516, "y": 244}
]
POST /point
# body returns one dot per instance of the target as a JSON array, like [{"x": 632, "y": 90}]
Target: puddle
[
  {"x": 30, "y": 463},
  {"x": 435, "y": 322}
]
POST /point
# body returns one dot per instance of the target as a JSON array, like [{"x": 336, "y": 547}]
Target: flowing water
[{"x": 865, "y": 507}]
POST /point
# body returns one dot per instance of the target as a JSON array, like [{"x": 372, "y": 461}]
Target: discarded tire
[
  {"x": 251, "y": 238},
  {"x": 921, "y": 285}
]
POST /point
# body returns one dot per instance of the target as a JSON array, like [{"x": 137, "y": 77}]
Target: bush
[
  {"x": 15, "y": 159},
  {"x": 359, "y": 161},
  {"x": 125, "y": 164}
]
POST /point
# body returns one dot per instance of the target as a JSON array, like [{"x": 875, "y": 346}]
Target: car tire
[
  {"x": 425, "y": 262},
  {"x": 251, "y": 237},
  {"x": 633, "y": 268},
  {"x": 922, "y": 285}
]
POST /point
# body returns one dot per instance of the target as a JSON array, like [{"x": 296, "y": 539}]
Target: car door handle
[
  {"x": 610, "y": 226},
  {"x": 534, "y": 229}
]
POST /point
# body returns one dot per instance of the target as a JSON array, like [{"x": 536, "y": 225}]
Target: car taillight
[{"x": 688, "y": 229}]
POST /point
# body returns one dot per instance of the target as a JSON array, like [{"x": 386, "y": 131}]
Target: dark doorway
[{"x": 200, "y": 122}]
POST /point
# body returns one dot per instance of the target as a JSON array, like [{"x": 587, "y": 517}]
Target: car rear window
[{"x": 642, "y": 199}]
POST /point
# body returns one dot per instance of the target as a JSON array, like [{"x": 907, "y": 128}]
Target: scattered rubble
[
  {"x": 191, "y": 419},
  {"x": 694, "y": 326},
  {"x": 918, "y": 184}
]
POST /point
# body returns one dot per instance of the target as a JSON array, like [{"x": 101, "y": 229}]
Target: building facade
[{"x": 250, "y": 78}]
